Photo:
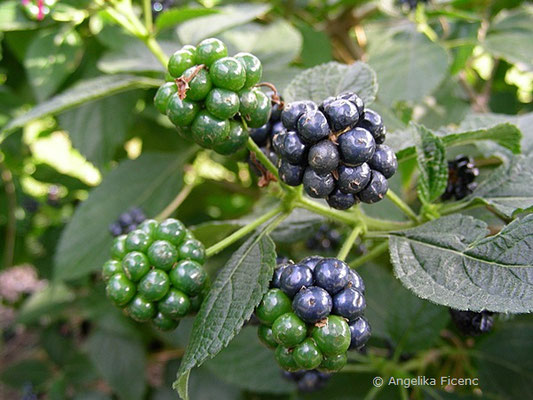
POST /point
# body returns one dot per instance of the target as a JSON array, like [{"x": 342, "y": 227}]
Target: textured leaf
[
  {"x": 331, "y": 79},
  {"x": 86, "y": 91},
  {"x": 239, "y": 362},
  {"x": 450, "y": 261},
  {"x": 432, "y": 164},
  {"x": 174, "y": 16},
  {"x": 197, "y": 29},
  {"x": 234, "y": 295},
  {"x": 50, "y": 58},
  {"x": 98, "y": 128},
  {"x": 150, "y": 182},
  {"x": 509, "y": 189}
]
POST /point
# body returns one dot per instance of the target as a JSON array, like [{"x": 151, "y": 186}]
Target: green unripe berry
[
  {"x": 192, "y": 249},
  {"x": 140, "y": 309},
  {"x": 168, "y": 77},
  {"x": 171, "y": 230},
  {"x": 180, "y": 61},
  {"x": 285, "y": 359},
  {"x": 228, "y": 73},
  {"x": 248, "y": 101},
  {"x": 289, "y": 330},
  {"x": 189, "y": 277},
  {"x": 184, "y": 132},
  {"x": 199, "y": 86},
  {"x": 175, "y": 304},
  {"x": 274, "y": 304},
  {"x": 237, "y": 138},
  {"x": 210, "y": 50},
  {"x": 164, "y": 323},
  {"x": 182, "y": 112},
  {"x": 207, "y": 130},
  {"x": 155, "y": 285},
  {"x": 163, "y": 95},
  {"x": 118, "y": 249},
  {"x": 332, "y": 337},
  {"x": 120, "y": 289},
  {"x": 222, "y": 103},
  {"x": 138, "y": 240},
  {"x": 135, "y": 265},
  {"x": 252, "y": 67},
  {"x": 149, "y": 226},
  {"x": 261, "y": 114},
  {"x": 162, "y": 255},
  {"x": 333, "y": 363},
  {"x": 110, "y": 268},
  {"x": 190, "y": 48},
  {"x": 264, "y": 333},
  {"x": 307, "y": 355}
]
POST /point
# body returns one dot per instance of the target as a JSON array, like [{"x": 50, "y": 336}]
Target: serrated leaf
[
  {"x": 50, "y": 58},
  {"x": 174, "y": 16},
  {"x": 509, "y": 189},
  {"x": 150, "y": 181},
  {"x": 235, "y": 293},
  {"x": 432, "y": 164},
  {"x": 331, "y": 79},
  {"x": 197, "y": 29},
  {"x": 452, "y": 262},
  {"x": 91, "y": 89}
]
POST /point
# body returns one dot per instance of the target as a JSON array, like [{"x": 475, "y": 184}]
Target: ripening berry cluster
[
  {"x": 336, "y": 150},
  {"x": 472, "y": 323},
  {"x": 155, "y": 273},
  {"x": 313, "y": 313},
  {"x": 308, "y": 381},
  {"x": 461, "y": 175},
  {"x": 127, "y": 222},
  {"x": 212, "y": 95}
]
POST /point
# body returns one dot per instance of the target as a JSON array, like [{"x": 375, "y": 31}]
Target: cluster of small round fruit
[
  {"x": 37, "y": 10},
  {"x": 212, "y": 96},
  {"x": 461, "y": 175},
  {"x": 313, "y": 313},
  {"x": 155, "y": 273},
  {"x": 127, "y": 222},
  {"x": 263, "y": 135},
  {"x": 472, "y": 323},
  {"x": 336, "y": 150},
  {"x": 308, "y": 381}
]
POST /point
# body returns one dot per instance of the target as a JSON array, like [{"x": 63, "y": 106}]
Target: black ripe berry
[
  {"x": 375, "y": 190},
  {"x": 341, "y": 114},
  {"x": 472, "y": 323},
  {"x": 354, "y": 179},
  {"x": 318, "y": 185},
  {"x": 341, "y": 200},
  {"x": 127, "y": 221},
  {"x": 293, "y": 111},
  {"x": 356, "y": 146},
  {"x": 291, "y": 174},
  {"x": 461, "y": 175},
  {"x": 313, "y": 126},
  {"x": 323, "y": 157},
  {"x": 384, "y": 160},
  {"x": 373, "y": 123},
  {"x": 293, "y": 149}
]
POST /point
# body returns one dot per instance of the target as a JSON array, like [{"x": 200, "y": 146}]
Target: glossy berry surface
[
  {"x": 162, "y": 255},
  {"x": 323, "y": 157},
  {"x": 313, "y": 126},
  {"x": 360, "y": 332},
  {"x": 252, "y": 67},
  {"x": 332, "y": 336},
  {"x": 140, "y": 309},
  {"x": 182, "y": 112},
  {"x": 312, "y": 304},
  {"x": 264, "y": 332},
  {"x": 137, "y": 240},
  {"x": 307, "y": 355},
  {"x": 154, "y": 285},
  {"x": 293, "y": 111},
  {"x": 295, "y": 277},
  {"x": 189, "y": 277},
  {"x": 340, "y": 200},
  {"x": 135, "y": 265},
  {"x": 384, "y": 161},
  {"x": 110, "y": 268},
  {"x": 274, "y": 304},
  {"x": 356, "y": 146},
  {"x": 276, "y": 278},
  {"x": 355, "y": 281},
  {"x": 349, "y": 303},
  {"x": 293, "y": 149},
  {"x": 200, "y": 85},
  {"x": 171, "y": 230},
  {"x": 311, "y": 261},
  {"x": 318, "y": 185},
  {"x": 288, "y": 330},
  {"x": 333, "y": 363},
  {"x": 291, "y": 174},
  {"x": 192, "y": 249},
  {"x": 210, "y": 50},
  {"x": 375, "y": 190},
  {"x": 175, "y": 304},
  {"x": 472, "y": 323},
  {"x": 207, "y": 130},
  {"x": 373, "y": 123},
  {"x": 261, "y": 113},
  {"x": 461, "y": 176},
  {"x": 228, "y": 73},
  {"x": 163, "y": 95},
  {"x": 341, "y": 114},
  {"x": 164, "y": 323},
  {"x": 181, "y": 61},
  {"x": 285, "y": 358},
  {"x": 118, "y": 249},
  {"x": 222, "y": 103},
  {"x": 120, "y": 289},
  {"x": 331, "y": 274}
]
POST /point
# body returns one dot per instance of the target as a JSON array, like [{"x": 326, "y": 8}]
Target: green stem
[
  {"x": 348, "y": 243},
  {"x": 178, "y": 200},
  {"x": 398, "y": 202},
  {"x": 245, "y": 230},
  {"x": 156, "y": 50},
  {"x": 375, "y": 252},
  {"x": 377, "y": 224},
  {"x": 263, "y": 159},
  {"x": 147, "y": 11}
]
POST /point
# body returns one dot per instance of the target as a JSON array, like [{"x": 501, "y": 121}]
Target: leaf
[
  {"x": 432, "y": 164},
  {"x": 174, "y": 16},
  {"x": 409, "y": 65},
  {"x": 18, "y": 375},
  {"x": 212, "y": 232},
  {"x": 239, "y": 362},
  {"x": 331, "y": 79},
  {"x": 135, "y": 57},
  {"x": 235, "y": 293},
  {"x": 452, "y": 262},
  {"x": 45, "y": 302},
  {"x": 50, "y": 58},
  {"x": 510, "y": 35},
  {"x": 91, "y": 89},
  {"x": 150, "y": 181},
  {"x": 509, "y": 189},
  {"x": 99, "y": 127},
  {"x": 197, "y": 29},
  {"x": 12, "y": 17}
]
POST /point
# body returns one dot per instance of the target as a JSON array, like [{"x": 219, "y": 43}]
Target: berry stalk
[
  {"x": 398, "y": 202},
  {"x": 348, "y": 243},
  {"x": 375, "y": 252}
]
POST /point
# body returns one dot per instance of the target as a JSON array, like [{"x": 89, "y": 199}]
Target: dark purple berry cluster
[
  {"x": 313, "y": 314},
  {"x": 127, "y": 222},
  {"x": 336, "y": 150},
  {"x": 263, "y": 135},
  {"x": 461, "y": 175},
  {"x": 472, "y": 323},
  {"x": 325, "y": 239},
  {"x": 308, "y": 381}
]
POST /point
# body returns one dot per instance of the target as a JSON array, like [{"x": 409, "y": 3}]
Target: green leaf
[
  {"x": 19, "y": 374},
  {"x": 98, "y": 128},
  {"x": 91, "y": 89},
  {"x": 50, "y": 59},
  {"x": 197, "y": 29},
  {"x": 239, "y": 362},
  {"x": 432, "y": 164},
  {"x": 235, "y": 293},
  {"x": 212, "y": 232},
  {"x": 409, "y": 65},
  {"x": 509, "y": 189},
  {"x": 174, "y": 16},
  {"x": 510, "y": 35},
  {"x": 151, "y": 182},
  {"x": 135, "y": 57},
  {"x": 298, "y": 226},
  {"x": 331, "y": 79},
  {"x": 46, "y": 302},
  {"x": 12, "y": 18},
  {"x": 452, "y": 262},
  {"x": 316, "y": 48}
]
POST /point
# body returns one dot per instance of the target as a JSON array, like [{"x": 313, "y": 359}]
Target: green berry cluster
[
  {"x": 212, "y": 95},
  {"x": 155, "y": 273}
]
